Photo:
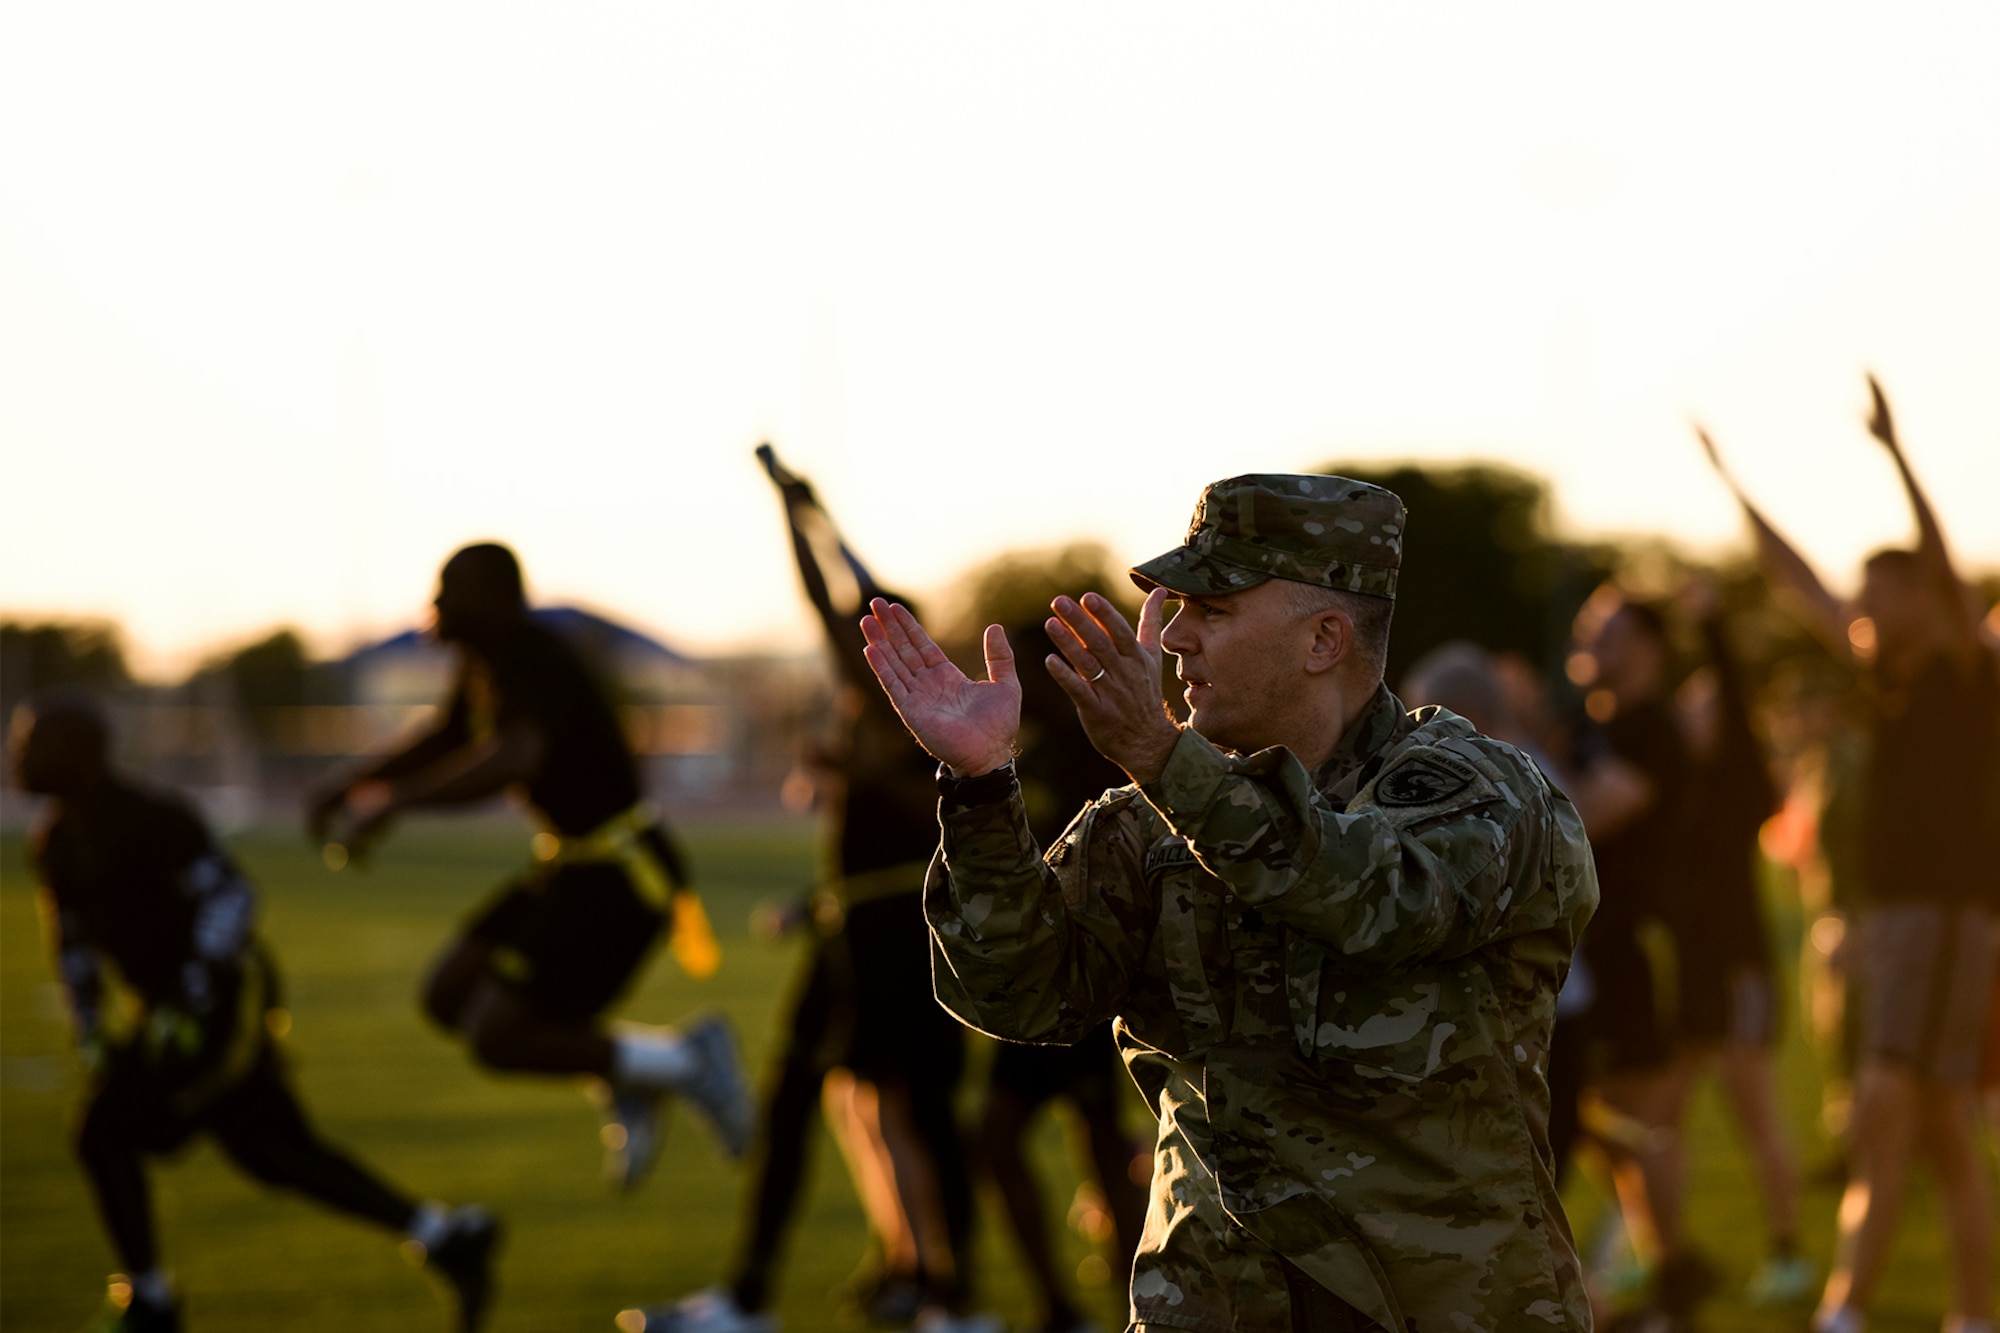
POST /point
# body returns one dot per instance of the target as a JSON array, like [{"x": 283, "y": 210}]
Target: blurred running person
[
  {"x": 132, "y": 879},
  {"x": 526, "y": 984},
  {"x": 866, "y": 1035},
  {"x": 1924, "y": 937}
]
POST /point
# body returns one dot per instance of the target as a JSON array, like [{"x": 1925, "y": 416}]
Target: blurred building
[{"x": 249, "y": 735}]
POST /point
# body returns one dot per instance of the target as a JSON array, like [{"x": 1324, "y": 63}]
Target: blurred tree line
[
  {"x": 1484, "y": 561},
  {"x": 273, "y": 671},
  {"x": 86, "y": 654}
]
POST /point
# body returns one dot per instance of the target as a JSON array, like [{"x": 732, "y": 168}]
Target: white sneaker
[
  {"x": 716, "y": 1087},
  {"x": 1782, "y": 1280},
  {"x": 711, "y": 1311},
  {"x": 463, "y": 1258},
  {"x": 631, "y": 1132}
]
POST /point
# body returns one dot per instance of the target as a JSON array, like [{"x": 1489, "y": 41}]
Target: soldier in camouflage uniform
[{"x": 1331, "y": 932}]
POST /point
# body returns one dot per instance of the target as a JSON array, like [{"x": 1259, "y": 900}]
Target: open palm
[{"x": 969, "y": 724}]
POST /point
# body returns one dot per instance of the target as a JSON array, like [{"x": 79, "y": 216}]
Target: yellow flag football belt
[
  {"x": 869, "y": 885},
  {"x": 621, "y": 840},
  {"x": 245, "y": 1040}
]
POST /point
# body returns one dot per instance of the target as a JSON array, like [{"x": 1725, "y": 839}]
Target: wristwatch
[{"x": 986, "y": 789}]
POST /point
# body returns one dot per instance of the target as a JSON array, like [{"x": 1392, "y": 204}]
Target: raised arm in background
[
  {"x": 816, "y": 542},
  {"x": 1792, "y": 579},
  {"x": 1961, "y": 613}
]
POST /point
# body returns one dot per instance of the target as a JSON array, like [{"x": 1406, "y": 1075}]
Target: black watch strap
[{"x": 986, "y": 789}]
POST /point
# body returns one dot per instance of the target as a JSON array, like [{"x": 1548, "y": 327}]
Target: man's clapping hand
[{"x": 968, "y": 724}]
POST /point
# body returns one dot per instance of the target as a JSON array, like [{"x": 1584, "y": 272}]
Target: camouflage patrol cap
[{"x": 1332, "y": 532}]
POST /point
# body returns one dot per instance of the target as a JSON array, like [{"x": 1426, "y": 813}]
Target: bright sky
[{"x": 294, "y": 299}]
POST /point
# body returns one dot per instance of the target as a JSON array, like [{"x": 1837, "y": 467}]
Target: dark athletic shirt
[
  {"x": 1928, "y": 826},
  {"x": 587, "y": 774},
  {"x": 1714, "y": 909},
  {"x": 882, "y": 811},
  {"x": 1059, "y": 770},
  {"x": 1638, "y": 865},
  {"x": 886, "y": 806},
  {"x": 128, "y": 881}
]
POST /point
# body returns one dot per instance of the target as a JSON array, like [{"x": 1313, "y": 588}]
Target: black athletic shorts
[
  {"x": 135, "y": 1102},
  {"x": 230, "y": 1085},
  {"x": 568, "y": 938},
  {"x": 880, "y": 963},
  {"x": 1623, "y": 1027},
  {"x": 1087, "y": 1073}
]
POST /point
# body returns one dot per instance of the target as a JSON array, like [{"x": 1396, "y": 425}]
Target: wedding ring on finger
[{"x": 1102, "y": 672}]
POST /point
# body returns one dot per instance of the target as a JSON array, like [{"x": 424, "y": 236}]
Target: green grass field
[{"x": 407, "y": 1101}]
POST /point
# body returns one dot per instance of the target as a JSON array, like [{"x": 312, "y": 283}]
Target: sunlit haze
[{"x": 294, "y": 299}]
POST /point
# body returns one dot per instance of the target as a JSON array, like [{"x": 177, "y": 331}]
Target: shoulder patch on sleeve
[{"x": 1431, "y": 780}]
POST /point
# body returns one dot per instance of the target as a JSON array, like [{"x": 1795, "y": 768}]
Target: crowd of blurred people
[
  {"x": 1869, "y": 785},
  {"x": 1871, "y": 781}
]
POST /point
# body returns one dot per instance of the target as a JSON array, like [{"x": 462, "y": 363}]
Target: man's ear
[{"x": 1332, "y": 641}]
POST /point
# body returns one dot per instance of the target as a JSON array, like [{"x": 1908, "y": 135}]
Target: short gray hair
[{"x": 1370, "y": 614}]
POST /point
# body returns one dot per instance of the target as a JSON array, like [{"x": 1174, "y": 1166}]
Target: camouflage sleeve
[
  {"x": 1385, "y": 883},
  {"x": 1029, "y": 948}
]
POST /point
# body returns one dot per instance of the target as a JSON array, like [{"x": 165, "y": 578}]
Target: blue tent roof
[{"x": 584, "y": 628}]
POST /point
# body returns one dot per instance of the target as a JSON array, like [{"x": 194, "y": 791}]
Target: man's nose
[{"x": 1176, "y": 637}]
